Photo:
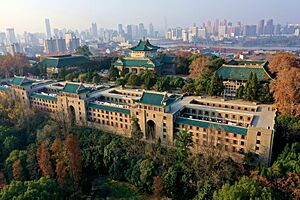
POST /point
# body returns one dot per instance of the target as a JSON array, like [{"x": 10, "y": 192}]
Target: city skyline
[{"x": 79, "y": 15}]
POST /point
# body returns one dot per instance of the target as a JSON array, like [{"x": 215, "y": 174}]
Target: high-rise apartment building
[
  {"x": 120, "y": 29},
  {"x": 72, "y": 42},
  {"x": 269, "y": 28},
  {"x": 11, "y": 37},
  {"x": 151, "y": 30},
  {"x": 50, "y": 46},
  {"x": 142, "y": 31},
  {"x": 48, "y": 29},
  {"x": 94, "y": 30},
  {"x": 2, "y": 38},
  {"x": 260, "y": 27}
]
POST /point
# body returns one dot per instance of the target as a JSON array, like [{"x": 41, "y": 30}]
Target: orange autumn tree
[
  {"x": 44, "y": 162},
  {"x": 74, "y": 158},
  {"x": 199, "y": 66},
  {"x": 18, "y": 173},
  {"x": 2, "y": 181},
  {"x": 13, "y": 64},
  {"x": 286, "y": 86},
  {"x": 59, "y": 154}
]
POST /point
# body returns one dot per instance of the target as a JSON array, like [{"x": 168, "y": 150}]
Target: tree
[
  {"x": 2, "y": 181},
  {"x": 157, "y": 187},
  {"x": 45, "y": 188},
  {"x": 286, "y": 90},
  {"x": 18, "y": 171},
  {"x": 113, "y": 73},
  {"x": 96, "y": 79},
  {"x": 69, "y": 77},
  {"x": 74, "y": 159},
  {"x": 183, "y": 144},
  {"x": 83, "y": 50},
  {"x": 188, "y": 88},
  {"x": 31, "y": 162},
  {"x": 146, "y": 176},
  {"x": 283, "y": 61},
  {"x": 246, "y": 188},
  {"x": 120, "y": 81},
  {"x": 149, "y": 78},
  {"x": 14, "y": 156},
  {"x": 265, "y": 95},
  {"x": 177, "y": 82},
  {"x": 43, "y": 157},
  {"x": 199, "y": 66},
  {"x": 12, "y": 65},
  {"x": 216, "y": 86},
  {"x": 82, "y": 77},
  {"x": 162, "y": 85},
  {"x": 134, "y": 80},
  {"x": 240, "y": 92},
  {"x": 59, "y": 154},
  {"x": 252, "y": 88},
  {"x": 136, "y": 131}
]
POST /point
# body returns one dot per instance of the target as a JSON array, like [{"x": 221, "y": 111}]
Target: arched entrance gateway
[
  {"x": 71, "y": 112},
  {"x": 151, "y": 130}
]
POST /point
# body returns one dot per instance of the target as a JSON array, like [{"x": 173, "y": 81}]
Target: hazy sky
[{"x": 78, "y": 14}]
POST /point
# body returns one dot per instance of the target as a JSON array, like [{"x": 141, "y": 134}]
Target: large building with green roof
[
  {"x": 54, "y": 64},
  {"x": 234, "y": 126},
  {"x": 144, "y": 56},
  {"x": 236, "y": 73}
]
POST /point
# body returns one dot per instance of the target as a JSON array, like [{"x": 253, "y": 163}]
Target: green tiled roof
[
  {"x": 75, "y": 88},
  {"x": 109, "y": 108},
  {"x": 169, "y": 59},
  {"x": 149, "y": 63},
  {"x": 154, "y": 99},
  {"x": 144, "y": 45},
  {"x": 59, "y": 62},
  {"x": 20, "y": 81},
  {"x": 205, "y": 124},
  {"x": 247, "y": 62},
  {"x": 242, "y": 73},
  {"x": 41, "y": 96},
  {"x": 2, "y": 88}
]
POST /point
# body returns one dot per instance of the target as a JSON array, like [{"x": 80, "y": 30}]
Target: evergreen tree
[
  {"x": 216, "y": 86},
  {"x": 96, "y": 79},
  {"x": 240, "y": 92},
  {"x": 252, "y": 88},
  {"x": 136, "y": 131}
]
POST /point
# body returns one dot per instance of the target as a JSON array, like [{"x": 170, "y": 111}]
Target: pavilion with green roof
[
  {"x": 144, "y": 56},
  {"x": 75, "y": 89},
  {"x": 236, "y": 73},
  {"x": 55, "y": 63}
]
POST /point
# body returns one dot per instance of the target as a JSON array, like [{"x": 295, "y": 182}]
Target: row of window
[
  {"x": 217, "y": 114},
  {"x": 151, "y": 108},
  {"x": 227, "y": 106},
  {"x": 110, "y": 123}
]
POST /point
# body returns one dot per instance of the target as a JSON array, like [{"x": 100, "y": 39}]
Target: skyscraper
[
  {"x": 141, "y": 30},
  {"x": 260, "y": 27},
  {"x": 72, "y": 42},
  {"x": 2, "y": 38},
  {"x": 120, "y": 29},
  {"x": 269, "y": 28},
  {"x": 48, "y": 28},
  {"x": 11, "y": 37},
  {"x": 129, "y": 32},
  {"x": 94, "y": 31},
  {"x": 151, "y": 30}
]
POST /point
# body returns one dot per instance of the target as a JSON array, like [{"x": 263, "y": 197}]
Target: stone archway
[
  {"x": 151, "y": 130},
  {"x": 72, "y": 114}
]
